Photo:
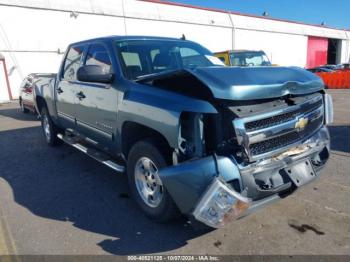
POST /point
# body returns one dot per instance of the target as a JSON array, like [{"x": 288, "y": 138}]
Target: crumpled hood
[{"x": 247, "y": 83}]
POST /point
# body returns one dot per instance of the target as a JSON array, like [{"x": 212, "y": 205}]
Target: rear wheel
[
  {"x": 23, "y": 108},
  {"x": 49, "y": 129},
  {"x": 144, "y": 161}
]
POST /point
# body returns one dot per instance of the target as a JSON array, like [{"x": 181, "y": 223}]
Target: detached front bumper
[{"x": 215, "y": 190}]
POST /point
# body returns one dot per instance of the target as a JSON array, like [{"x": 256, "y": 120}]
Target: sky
[{"x": 334, "y": 13}]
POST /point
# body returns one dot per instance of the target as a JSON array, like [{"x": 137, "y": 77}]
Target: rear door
[
  {"x": 96, "y": 110},
  {"x": 66, "y": 90}
]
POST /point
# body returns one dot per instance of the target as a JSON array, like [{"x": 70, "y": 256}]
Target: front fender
[{"x": 159, "y": 110}]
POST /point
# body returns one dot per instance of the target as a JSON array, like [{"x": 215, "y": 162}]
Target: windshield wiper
[{"x": 156, "y": 75}]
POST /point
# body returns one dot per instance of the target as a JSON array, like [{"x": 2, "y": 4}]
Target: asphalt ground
[{"x": 60, "y": 201}]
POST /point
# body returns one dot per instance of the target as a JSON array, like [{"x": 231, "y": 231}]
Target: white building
[{"x": 35, "y": 33}]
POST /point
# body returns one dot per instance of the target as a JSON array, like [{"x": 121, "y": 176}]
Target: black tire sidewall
[{"x": 148, "y": 149}]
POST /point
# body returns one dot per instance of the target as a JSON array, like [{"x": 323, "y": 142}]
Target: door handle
[
  {"x": 59, "y": 90},
  {"x": 81, "y": 95}
]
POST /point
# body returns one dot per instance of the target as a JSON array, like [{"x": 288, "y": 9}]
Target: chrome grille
[
  {"x": 284, "y": 140},
  {"x": 271, "y": 133},
  {"x": 278, "y": 119}
]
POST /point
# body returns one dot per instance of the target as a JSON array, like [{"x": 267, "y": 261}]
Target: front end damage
[
  {"x": 216, "y": 189},
  {"x": 266, "y": 137}
]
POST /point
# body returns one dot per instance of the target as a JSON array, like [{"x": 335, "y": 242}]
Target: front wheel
[
  {"x": 49, "y": 129},
  {"x": 144, "y": 161}
]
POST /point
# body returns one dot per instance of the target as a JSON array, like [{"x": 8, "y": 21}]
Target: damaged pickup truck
[{"x": 194, "y": 137}]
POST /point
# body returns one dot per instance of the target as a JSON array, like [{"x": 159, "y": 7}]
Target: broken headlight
[{"x": 220, "y": 205}]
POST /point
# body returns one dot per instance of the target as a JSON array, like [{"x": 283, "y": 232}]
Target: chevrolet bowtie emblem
[{"x": 302, "y": 123}]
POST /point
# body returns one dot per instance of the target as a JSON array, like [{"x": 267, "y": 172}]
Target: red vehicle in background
[
  {"x": 26, "y": 98},
  {"x": 334, "y": 76}
]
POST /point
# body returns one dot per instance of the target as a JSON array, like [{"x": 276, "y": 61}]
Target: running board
[{"x": 92, "y": 152}]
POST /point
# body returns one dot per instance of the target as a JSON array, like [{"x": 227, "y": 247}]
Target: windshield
[
  {"x": 249, "y": 59},
  {"x": 145, "y": 57}
]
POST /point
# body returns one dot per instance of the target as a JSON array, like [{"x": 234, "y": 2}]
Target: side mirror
[{"x": 95, "y": 74}]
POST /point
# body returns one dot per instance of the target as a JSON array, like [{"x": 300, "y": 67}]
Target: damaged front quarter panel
[{"x": 159, "y": 110}]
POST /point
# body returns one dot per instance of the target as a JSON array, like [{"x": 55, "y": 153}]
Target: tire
[
  {"x": 161, "y": 207},
  {"x": 49, "y": 129},
  {"x": 23, "y": 108}
]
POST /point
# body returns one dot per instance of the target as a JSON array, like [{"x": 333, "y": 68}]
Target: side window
[
  {"x": 72, "y": 63},
  {"x": 132, "y": 59},
  {"x": 154, "y": 53},
  {"x": 98, "y": 55},
  {"x": 236, "y": 61},
  {"x": 133, "y": 64},
  {"x": 255, "y": 60}
]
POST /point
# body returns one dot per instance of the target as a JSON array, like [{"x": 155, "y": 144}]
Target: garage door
[{"x": 317, "y": 49}]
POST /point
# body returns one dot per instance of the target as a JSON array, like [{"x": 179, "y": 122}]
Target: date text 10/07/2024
[{"x": 173, "y": 258}]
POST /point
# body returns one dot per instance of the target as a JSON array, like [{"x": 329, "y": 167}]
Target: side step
[{"x": 92, "y": 152}]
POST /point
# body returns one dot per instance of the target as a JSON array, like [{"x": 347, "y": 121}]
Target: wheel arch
[
  {"x": 133, "y": 132},
  {"x": 40, "y": 103}
]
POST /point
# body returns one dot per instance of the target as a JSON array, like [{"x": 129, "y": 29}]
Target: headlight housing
[
  {"x": 328, "y": 105},
  {"x": 220, "y": 205}
]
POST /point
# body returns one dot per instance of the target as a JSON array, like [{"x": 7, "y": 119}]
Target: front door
[
  {"x": 96, "y": 111},
  {"x": 67, "y": 87}
]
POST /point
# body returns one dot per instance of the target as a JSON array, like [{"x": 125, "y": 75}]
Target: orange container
[
  {"x": 337, "y": 79},
  {"x": 347, "y": 78}
]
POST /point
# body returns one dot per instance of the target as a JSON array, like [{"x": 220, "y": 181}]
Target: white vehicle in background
[{"x": 26, "y": 98}]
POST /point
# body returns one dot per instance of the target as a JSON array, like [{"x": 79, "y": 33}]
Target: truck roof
[{"x": 131, "y": 37}]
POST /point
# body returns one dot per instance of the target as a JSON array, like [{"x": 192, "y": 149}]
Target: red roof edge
[{"x": 237, "y": 13}]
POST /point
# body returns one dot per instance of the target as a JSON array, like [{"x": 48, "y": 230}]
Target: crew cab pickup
[{"x": 193, "y": 136}]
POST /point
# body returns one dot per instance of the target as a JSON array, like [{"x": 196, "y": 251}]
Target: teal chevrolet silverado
[{"x": 193, "y": 136}]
